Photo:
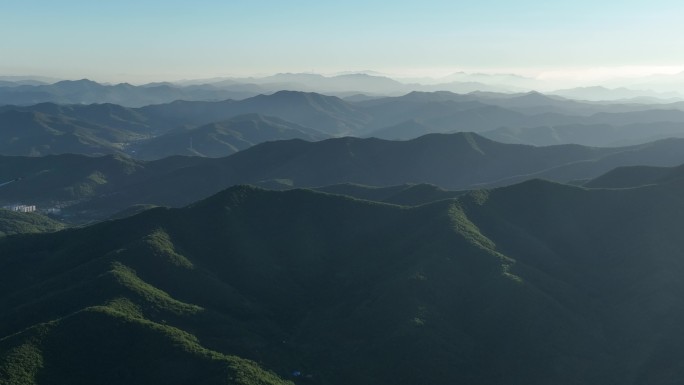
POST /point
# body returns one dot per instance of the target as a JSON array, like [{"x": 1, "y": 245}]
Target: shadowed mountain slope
[
  {"x": 531, "y": 118},
  {"x": 103, "y": 186},
  {"x": 636, "y": 176},
  {"x": 535, "y": 283}
]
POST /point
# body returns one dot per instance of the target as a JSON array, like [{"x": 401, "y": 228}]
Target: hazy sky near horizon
[{"x": 152, "y": 40}]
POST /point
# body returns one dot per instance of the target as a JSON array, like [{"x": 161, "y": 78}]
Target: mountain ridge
[
  {"x": 490, "y": 284},
  {"x": 106, "y": 185}
]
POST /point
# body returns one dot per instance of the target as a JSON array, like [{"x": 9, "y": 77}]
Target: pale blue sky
[{"x": 136, "y": 41}]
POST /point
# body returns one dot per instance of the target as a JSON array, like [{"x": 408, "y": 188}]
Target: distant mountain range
[
  {"x": 87, "y": 92},
  {"x": 155, "y": 131},
  {"x": 598, "y": 93},
  {"x": 533, "y": 284},
  {"x": 28, "y": 90}
]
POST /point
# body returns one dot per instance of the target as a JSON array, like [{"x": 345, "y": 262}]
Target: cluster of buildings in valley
[{"x": 21, "y": 208}]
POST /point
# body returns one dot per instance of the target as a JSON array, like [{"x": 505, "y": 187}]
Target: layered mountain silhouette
[
  {"x": 109, "y": 129},
  {"x": 87, "y": 92},
  {"x": 406, "y": 237},
  {"x": 84, "y": 91},
  {"x": 102, "y": 186},
  {"x": 530, "y": 118},
  {"x": 588, "y": 134},
  {"x": 535, "y": 283},
  {"x": 598, "y": 93}
]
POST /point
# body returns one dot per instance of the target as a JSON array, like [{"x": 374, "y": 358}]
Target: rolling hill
[
  {"x": 405, "y": 195},
  {"x": 327, "y": 114},
  {"x": 106, "y": 115},
  {"x": 36, "y": 134},
  {"x": 222, "y": 138},
  {"x": 636, "y": 176},
  {"x": 601, "y": 135},
  {"x": 12, "y": 222},
  {"x": 218, "y": 129}
]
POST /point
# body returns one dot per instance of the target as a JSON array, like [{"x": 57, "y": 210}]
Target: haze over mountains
[
  {"x": 351, "y": 229},
  {"x": 159, "y": 130},
  {"x": 32, "y": 90}
]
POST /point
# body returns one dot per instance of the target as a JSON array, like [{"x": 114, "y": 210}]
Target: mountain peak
[
  {"x": 78, "y": 82},
  {"x": 535, "y": 95},
  {"x": 298, "y": 94}
]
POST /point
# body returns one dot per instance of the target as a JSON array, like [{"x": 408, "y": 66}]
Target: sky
[{"x": 141, "y": 41}]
